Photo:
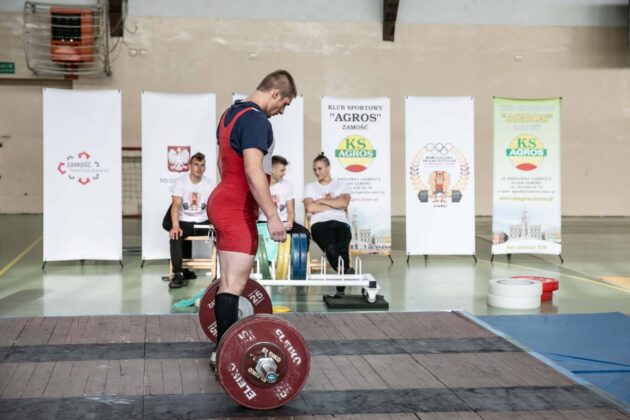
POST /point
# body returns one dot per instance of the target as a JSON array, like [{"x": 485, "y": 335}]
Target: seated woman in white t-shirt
[
  {"x": 284, "y": 198},
  {"x": 327, "y": 201}
]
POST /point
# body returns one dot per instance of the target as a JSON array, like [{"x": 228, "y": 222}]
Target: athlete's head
[
  {"x": 280, "y": 87},
  {"x": 281, "y": 80}
]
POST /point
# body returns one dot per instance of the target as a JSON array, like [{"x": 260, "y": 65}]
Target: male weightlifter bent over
[{"x": 245, "y": 139}]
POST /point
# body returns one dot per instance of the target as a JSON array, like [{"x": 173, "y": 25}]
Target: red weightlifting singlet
[{"x": 231, "y": 207}]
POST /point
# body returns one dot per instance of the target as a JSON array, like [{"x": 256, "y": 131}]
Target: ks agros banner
[
  {"x": 356, "y": 140},
  {"x": 526, "y": 215}
]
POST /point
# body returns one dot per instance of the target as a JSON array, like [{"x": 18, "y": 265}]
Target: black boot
[{"x": 177, "y": 281}]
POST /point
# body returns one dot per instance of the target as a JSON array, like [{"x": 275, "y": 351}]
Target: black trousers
[
  {"x": 180, "y": 248},
  {"x": 333, "y": 238}
]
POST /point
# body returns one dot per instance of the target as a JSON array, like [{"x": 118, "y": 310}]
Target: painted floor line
[{"x": 20, "y": 256}]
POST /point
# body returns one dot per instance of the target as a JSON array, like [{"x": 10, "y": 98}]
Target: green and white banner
[
  {"x": 356, "y": 139},
  {"x": 526, "y": 214}
]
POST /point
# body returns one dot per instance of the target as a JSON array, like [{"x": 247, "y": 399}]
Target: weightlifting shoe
[
  {"x": 177, "y": 281},
  {"x": 189, "y": 274},
  {"x": 213, "y": 360}
]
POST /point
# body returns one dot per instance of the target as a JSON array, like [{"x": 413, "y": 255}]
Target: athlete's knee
[{"x": 228, "y": 284}]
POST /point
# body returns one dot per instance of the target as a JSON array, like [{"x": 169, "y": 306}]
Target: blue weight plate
[
  {"x": 295, "y": 256},
  {"x": 304, "y": 256},
  {"x": 297, "y": 273}
]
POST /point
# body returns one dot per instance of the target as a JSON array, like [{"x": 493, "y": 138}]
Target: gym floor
[
  {"x": 60, "y": 356},
  {"x": 396, "y": 365},
  {"x": 592, "y": 248}
]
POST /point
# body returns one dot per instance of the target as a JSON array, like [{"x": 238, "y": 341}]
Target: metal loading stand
[{"x": 368, "y": 283}]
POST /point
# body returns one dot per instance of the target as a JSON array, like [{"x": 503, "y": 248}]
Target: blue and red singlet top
[{"x": 231, "y": 207}]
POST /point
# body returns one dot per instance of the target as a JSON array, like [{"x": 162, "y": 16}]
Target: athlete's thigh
[{"x": 236, "y": 233}]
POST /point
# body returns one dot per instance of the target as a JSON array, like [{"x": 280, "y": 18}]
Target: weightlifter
[{"x": 245, "y": 139}]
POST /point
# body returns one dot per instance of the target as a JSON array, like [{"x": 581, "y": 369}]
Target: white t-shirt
[
  {"x": 281, "y": 192},
  {"x": 315, "y": 190},
  {"x": 267, "y": 163},
  {"x": 194, "y": 197}
]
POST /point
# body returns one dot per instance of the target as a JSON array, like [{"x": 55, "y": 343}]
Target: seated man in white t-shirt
[
  {"x": 327, "y": 201},
  {"x": 283, "y": 197},
  {"x": 190, "y": 194}
]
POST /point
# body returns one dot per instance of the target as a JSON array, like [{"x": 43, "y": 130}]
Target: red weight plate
[
  {"x": 549, "y": 284},
  {"x": 243, "y": 372},
  {"x": 546, "y": 296},
  {"x": 254, "y": 300}
]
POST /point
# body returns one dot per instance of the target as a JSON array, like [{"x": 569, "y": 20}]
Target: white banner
[
  {"x": 356, "y": 140},
  {"x": 526, "y": 211},
  {"x": 288, "y": 134},
  {"x": 82, "y": 175},
  {"x": 174, "y": 127},
  {"x": 440, "y": 181}
]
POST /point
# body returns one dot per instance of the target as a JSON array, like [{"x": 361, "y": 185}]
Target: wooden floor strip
[{"x": 363, "y": 366}]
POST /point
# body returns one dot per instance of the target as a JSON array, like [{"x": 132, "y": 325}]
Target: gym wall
[{"x": 589, "y": 66}]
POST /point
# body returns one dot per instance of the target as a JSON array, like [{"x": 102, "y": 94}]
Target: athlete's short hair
[{"x": 279, "y": 79}]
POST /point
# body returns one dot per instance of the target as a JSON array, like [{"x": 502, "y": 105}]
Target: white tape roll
[
  {"x": 512, "y": 302},
  {"x": 515, "y": 287}
]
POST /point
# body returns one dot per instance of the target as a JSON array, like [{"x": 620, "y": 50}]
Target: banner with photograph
[
  {"x": 174, "y": 127},
  {"x": 356, "y": 140},
  {"x": 440, "y": 181},
  {"x": 526, "y": 212},
  {"x": 82, "y": 175},
  {"x": 288, "y": 133}
]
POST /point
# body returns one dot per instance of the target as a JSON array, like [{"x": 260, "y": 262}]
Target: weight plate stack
[
  {"x": 261, "y": 256},
  {"x": 284, "y": 257}
]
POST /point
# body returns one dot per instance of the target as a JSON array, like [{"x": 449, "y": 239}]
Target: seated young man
[
  {"x": 327, "y": 201},
  {"x": 190, "y": 194},
  {"x": 283, "y": 197}
]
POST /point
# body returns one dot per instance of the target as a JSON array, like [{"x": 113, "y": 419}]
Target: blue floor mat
[{"x": 594, "y": 347}]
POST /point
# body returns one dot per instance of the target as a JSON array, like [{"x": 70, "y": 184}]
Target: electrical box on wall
[
  {"x": 67, "y": 40},
  {"x": 72, "y": 35}
]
